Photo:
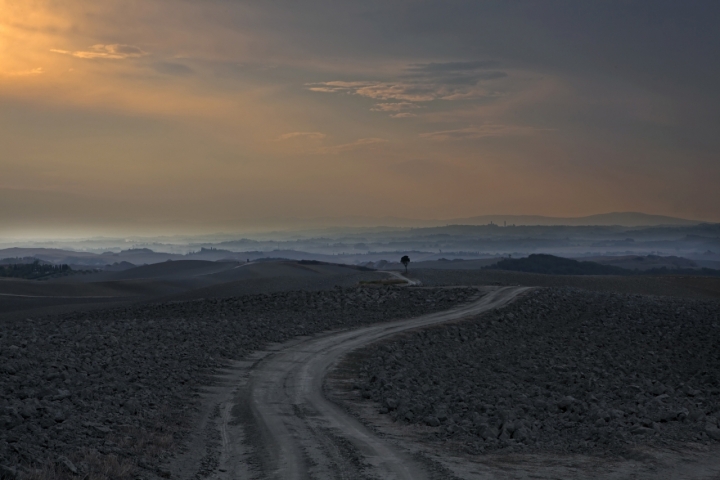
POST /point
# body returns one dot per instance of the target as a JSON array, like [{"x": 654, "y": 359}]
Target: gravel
[
  {"x": 561, "y": 370},
  {"x": 111, "y": 393}
]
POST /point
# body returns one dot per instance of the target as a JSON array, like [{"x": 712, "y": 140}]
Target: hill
[
  {"x": 622, "y": 219},
  {"x": 552, "y": 265}
]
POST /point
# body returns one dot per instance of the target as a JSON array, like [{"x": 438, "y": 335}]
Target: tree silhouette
[{"x": 405, "y": 260}]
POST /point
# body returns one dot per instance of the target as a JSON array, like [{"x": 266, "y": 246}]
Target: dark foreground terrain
[
  {"x": 111, "y": 393},
  {"x": 111, "y": 387},
  {"x": 559, "y": 371},
  {"x": 169, "y": 281}
]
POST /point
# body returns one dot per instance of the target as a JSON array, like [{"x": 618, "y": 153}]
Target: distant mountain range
[{"x": 622, "y": 219}]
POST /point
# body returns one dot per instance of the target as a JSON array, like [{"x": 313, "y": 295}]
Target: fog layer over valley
[{"x": 699, "y": 243}]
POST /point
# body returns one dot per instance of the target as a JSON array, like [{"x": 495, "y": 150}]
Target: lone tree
[{"x": 405, "y": 260}]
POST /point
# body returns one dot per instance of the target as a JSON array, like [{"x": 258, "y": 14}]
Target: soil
[
  {"x": 116, "y": 390},
  {"x": 561, "y": 374}
]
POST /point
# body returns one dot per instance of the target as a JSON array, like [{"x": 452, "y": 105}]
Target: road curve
[{"x": 302, "y": 435}]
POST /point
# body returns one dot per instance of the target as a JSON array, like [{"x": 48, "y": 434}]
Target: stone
[
  {"x": 391, "y": 403},
  {"x": 520, "y": 434},
  {"x": 8, "y": 473},
  {"x": 566, "y": 402},
  {"x": 640, "y": 430},
  {"x": 712, "y": 431},
  {"x": 696, "y": 415},
  {"x": 67, "y": 464},
  {"x": 432, "y": 421}
]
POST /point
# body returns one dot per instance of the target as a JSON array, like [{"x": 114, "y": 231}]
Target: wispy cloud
[
  {"x": 475, "y": 132},
  {"x": 359, "y": 144},
  {"x": 394, "y": 107},
  {"x": 26, "y": 73},
  {"x": 114, "y": 51},
  {"x": 402, "y": 91},
  {"x": 421, "y": 83},
  {"x": 453, "y": 66},
  {"x": 403, "y": 115},
  {"x": 303, "y": 135}
]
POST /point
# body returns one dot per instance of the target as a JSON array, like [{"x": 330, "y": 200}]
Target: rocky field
[
  {"x": 559, "y": 371},
  {"x": 111, "y": 393}
]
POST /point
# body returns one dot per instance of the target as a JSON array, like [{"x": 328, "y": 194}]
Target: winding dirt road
[{"x": 271, "y": 420}]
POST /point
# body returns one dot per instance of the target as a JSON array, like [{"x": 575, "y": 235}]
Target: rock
[
  {"x": 28, "y": 411},
  {"x": 696, "y": 415},
  {"x": 8, "y": 473},
  {"x": 432, "y": 421},
  {"x": 640, "y": 430},
  {"x": 391, "y": 403},
  {"x": 132, "y": 406},
  {"x": 566, "y": 402},
  {"x": 712, "y": 431},
  {"x": 520, "y": 434},
  {"x": 59, "y": 416},
  {"x": 67, "y": 464},
  {"x": 486, "y": 432}
]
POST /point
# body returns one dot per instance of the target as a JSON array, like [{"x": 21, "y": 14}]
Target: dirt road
[{"x": 270, "y": 419}]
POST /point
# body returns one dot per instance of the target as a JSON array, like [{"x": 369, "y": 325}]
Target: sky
[{"x": 186, "y": 116}]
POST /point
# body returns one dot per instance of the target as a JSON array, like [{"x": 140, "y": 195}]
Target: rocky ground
[
  {"x": 110, "y": 393},
  {"x": 559, "y": 371}
]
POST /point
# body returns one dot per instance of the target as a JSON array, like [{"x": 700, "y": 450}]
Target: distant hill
[
  {"x": 644, "y": 262},
  {"x": 552, "y": 265},
  {"x": 33, "y": 271},
  {"x": 622, "y": 219}
]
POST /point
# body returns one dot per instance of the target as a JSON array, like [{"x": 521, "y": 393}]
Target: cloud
[
  {"x": 337, "y": 86},
  {"x": 304, "y": 135},
  {"x": 404, "y": 91},
  {"x": 394, "y": 107},
  {"x": 433, "y": 67},
  {"x": 356, "y": 145},
  {"x": 399, "y": 91},
  {"x": 476, "y": 132},
  {"x": 114, "y": 51},
  {"x": 421, "y": 83},
  {"x": 454, "y": 73},
  {"x": 26, "y": 73},
  {"x": 403, "y": 115}
]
